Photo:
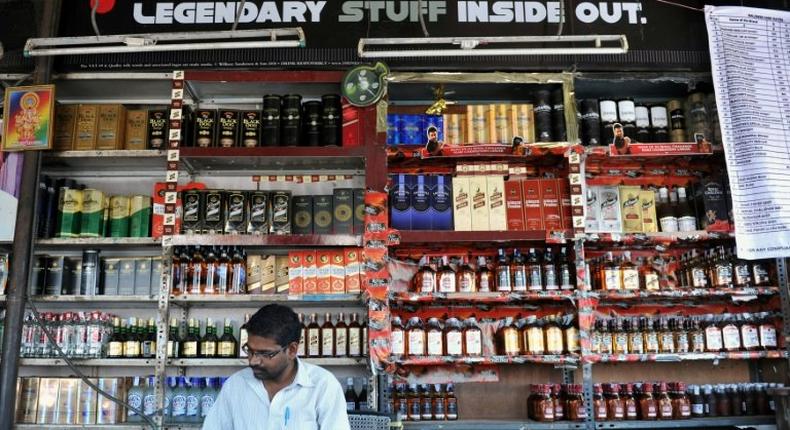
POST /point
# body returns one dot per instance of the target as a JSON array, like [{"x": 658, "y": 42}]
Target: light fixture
[
  {"x": 481, "y": 46},
  {"x": 160, "y": 42}
]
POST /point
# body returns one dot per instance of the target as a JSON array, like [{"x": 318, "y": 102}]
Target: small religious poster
[{"x": 29, "y": 114}]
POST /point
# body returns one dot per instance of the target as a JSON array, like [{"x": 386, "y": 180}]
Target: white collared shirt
[{"x": 314, "y": 401}]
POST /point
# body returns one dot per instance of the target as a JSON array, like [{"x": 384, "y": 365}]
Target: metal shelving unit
[
  {"x": 491, "y": 425},
  {"x": 99, "y": 242},
  {"x": 692, "y": 423},
  {"x": 243, "y": 362},
  {"x": 91, "y": 362},
  {"x": 318, "y": 300},
  {"x": 289, "y": 241}
]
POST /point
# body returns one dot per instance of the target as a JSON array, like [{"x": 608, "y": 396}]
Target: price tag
[
  {"x": 175, "y": 114},
  {"x": 171, "y": 198},
  {"x": 172, "y": 176},
  {"x": 170, "y": 219},
  {"x": 178, "y": 75},
  {"x": 172, "y": 155},
  {"x": 175, "y": 134},
  {"x": 574, "y": 158},
  {"x": 177, "y": 94},
  {"x": 575, "y": 179}
]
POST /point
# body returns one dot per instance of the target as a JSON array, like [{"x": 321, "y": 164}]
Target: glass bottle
[
  {"x": 518, "y": 271},
  {"x": 435, "y": 337},
  {"x": 425, "y": 279},
  {"x": 636, "y": 339},
  {"x": 508, "y": 338},
  {"x": 599, "y": 404},
  {"x": 711, "y": 404},
  {"x": 350, "y": 395},
  {"x": 184, "y": 275},
  {"x": 314, "y": 337},
  {"x": 543, "y": 405},
  {"x": 574, "y": 406},
  {"x": 503, "y": 279},
  {"x": 446, "y": 277},
  {"x": 533, "y": 336},
  {"x": 697, "y": 335},
  {"x": 620, "y": 337},
  {"x": 686, "y": 219},
  {"x": 697, "y": 401},
  {"x": 736, "y": 400},
  {"x": 439, "y": 403},
  {"x": 681, "y": 404},
  {"x": 341, "y": 336},
  {"x": 713, "y": 336},
  {"x": 731, "y": 335},
  {"x": 767, "y": 329},
  {"x": 173, "y": 340},
  {"x": 131, "y": 346},
  {"x": 666, "y": 337},
  {"x": 415, "y": 408},
  {"x": 473, "y": 338},
  {"x": 723, "y": 401},
  {"x": 607, "y": 338},
  {"x": 208, "y": 345},
  {"x": 665, "y": 213},
  {"x": 615, "y": 410},
  {"x": 301, "y": 349},
  {"x": 197, "y": 267},
  {"x": 612, "y": 281},
  {"x": 750, "y": 334},
  {"x": 452, "y": 403},
  {"x": 595, "y": 337},
  {"x": 571, "y": 335},
  {"x": 760, "y": 274},
  {"x": 698, "y": 272},
  {"x": 485, "y": 278},
  {"x": 210, "y": 280},
  {"x": 223, "y": 272},
  {"x": 722, "y": 270},
  {"x": 415, "y": 335},
  {"x": 115, "y": 344},
  {"x": 190, "y": 344},
  {"x": 549, "y": 270},
  {"x": 465, "y": 277},
  {"x": 648, "y": 405},
  {"x": 238, "y": 266},
  {"x": 227, "y": 342},
  {"x": 681, "y": 330},
  {"x": 741, "y": 273},
  {"x": 664, "y": 402},
  {"x": 534, "y": 275},
  {"x": 355, "y": 337},
  {"x": 149, "y": 342},
  {"x": 566, "y": 272},
  {"x": 629, "y": 273},
  {"x": 629, "y": 402},
  {"x": 426, "y": 403},
  {"x": 559, "y": 402},
  {"x": 327, "y": 337},
  {"x": 454, "y": 337},
  {"x": 554, "y": 344},
  {"x": 649, "y": 277}
]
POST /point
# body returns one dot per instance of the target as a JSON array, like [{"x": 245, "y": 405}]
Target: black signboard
[{"x": 660, "y": 35}]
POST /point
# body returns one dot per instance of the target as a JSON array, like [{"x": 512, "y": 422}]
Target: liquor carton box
[
  {"x": 420, "y": 204},
  {"x": 74, "y": 270},
  {"x": 303, "y": 215},
  {"x": 65, "y": 126},
  {"x": 295, "y": 273},
  {"x": 68, "y": 400},
  {"x": 359, "y": 211},
  {"x": 92, "y": 218},
  {"x": 281, "y": 212},
  {"x": 254, "y": 270},
  {"x": 711, "y": 204},
  {"x": 142, "y": 276},
  {"x": 550, "y": 198},
  {"x": 71, "y": 212},
  {"x": 120, "y": 211},
  {"x": 281, "y": 274},
  {"x": 497, "y": 213},
  {"x": 566, "y": 208},
  {"x": 38, "y": 276},
  {"x": 250, "y": 134},
  {"x": 236, "y": 212},
  {"x": 193, "y": 210},
  {"x": 139, "y": 216},
  {"x": 88, "y": 403},
  {"x": 136, "y": 132},
  {"x": 56, "y": 276},
  {"x": 112, "y": 119},
  {"x": 268, "y": 276},
  {"x": 260, "y": 212},
  {"x": 337, "y": 273},
  {"x": 522, "y": 122},
  {"x": 323, "y": 271},
  {"x": 126, "y": 277},
  {"x": 228, "y": 128},
  {"x": 111, "y": 272},
  {"x": 27, "y": 400},
  {"x": 514, "y": 205},
  {"x": 400, "y": 203},
  {"x": 157, "y": 129},
  {"x": 609, "y": 203},
  {"x": 477, "y": 124},
  {"x": 441, "y": 196},
  {"x": 462, "y": 208},
  {"x": 631, "y": 209},
  {"x": 48, "y": 401},
  {"x": 310, "y": 272},
  {"x": 205, "y": 128},
  {"x": 533, "y": 209},
  {"x": 647, "y": 201},
  {"x": 156, "y": 274},
  {"x": 478, "y": 187},
  {"x": 343, "y": 211},
  {"x": 322, "y": 214},
  {"x": 592, "y": 211},
  {"x": 110, "y": 412},
  {"x": 87, "y": 125},
  {"x": 214, "y": 212},
  {"x": 353, "y": 267}
]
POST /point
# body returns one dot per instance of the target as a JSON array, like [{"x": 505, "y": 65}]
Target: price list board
[{"x": 750, "y": 58}]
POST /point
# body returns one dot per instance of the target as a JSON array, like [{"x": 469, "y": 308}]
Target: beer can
[
  {"x": 46, "y": 412},
  {"x": 68, "y": 400}
]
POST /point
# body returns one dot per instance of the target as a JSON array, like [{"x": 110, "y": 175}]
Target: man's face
[
  {"x": 273, "y": 368},
  {"x": 618, "y": 132},
  {"x": 431, "y": 135}
]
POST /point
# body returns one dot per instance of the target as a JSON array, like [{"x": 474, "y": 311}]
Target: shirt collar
[{"x": 302, "y": 378}]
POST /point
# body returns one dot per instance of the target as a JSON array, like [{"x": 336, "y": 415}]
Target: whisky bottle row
[
  {"x": 424, "y": 402},
  {"x": 718, "y": 268},
  {"x": 356, "y": 402},
  {"x": 696, "y": 334},
  {"x": 209, "y": 270},
  {"x": 464, "y": 338},
  {"x": 334, "y": 338},
  {"x": 210, "y": 345},
  {"x": 517, "y": 272}
]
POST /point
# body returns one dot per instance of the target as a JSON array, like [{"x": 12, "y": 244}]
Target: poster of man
[{"x": 620, "y": 142}]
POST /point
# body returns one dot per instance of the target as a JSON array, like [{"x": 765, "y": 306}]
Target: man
[
  {"x": 620, "y": 141},
  {"x": 278, "y": 390}
]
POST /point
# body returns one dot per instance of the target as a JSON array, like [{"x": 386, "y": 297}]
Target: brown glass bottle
[
  {"x": 465, "y": 277},
  {"x": 554, "y": 344},
  {"x": 435, "y": 338},
  {"x": 445, "y": 277},
  {"x": 599, "y": 404},
  {"x": 767, "y": 329},
  {"x": 666, "y": 337},
  {"x": 397, "y": 338},
  {"x": 629, "y": 402},
  {"x": 681, "y": 404},
  {"x": 697, "y": 401},
  {"x": 723, "y": 401},
  {"x": 636, "y": 340},
  {"x": 615, "y": 410},
  {"x": 415, "y": 337},
  {"x": 713, "y": 338},
  {"x": 648, "y": 405},
  {"x": 607, "y": 337},
  {"x": 697, "y": 336},
  {"x": 649, "y": 276},
  {"x": 629, "y": 273},
  {"x": 611, "y": 278},
  {"x": 558, "y": 398},
  {"x": 574, "y": 406},
  {"x": 313, "y": 337},
  {"x": 454, "y": 337},
  {"x": 542, "y": 404},
  {"x": 425, "y": 279},
  {"x": 681, "y": 331},
  {"x": 355, "y": 337},
  {"x": 509, "y": 338},
  {"x": 750, "y": 334},
  {"x": 341, "y": 336},
  {"x": 485, "y": 278},
  {"x": 664, "y": 402},
  {"x": 571, "y": 336},
  {"x": 532, "y": 337},
  {"x": 473, "y": 338},
  {"x": 620, "y": 337},
  {"x": 730, "y": 334},
  {"x": 327, "y": 337},
  {"x": 652, "y": 343}
]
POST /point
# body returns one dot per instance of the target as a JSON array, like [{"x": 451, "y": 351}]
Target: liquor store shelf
[
  {"x": 491, "y": 425},
  {"x": 290, "y": 240},
  {"x": 430, "y": 237},
  {"x": 728, "y": 422},
  {"x": 291, "y": 158},
  {"x": 83, "y": 426},
  {"x": 682, "y": 293},
  {"x": 101, "y": 299},
  {"x": 482, "y": 297},
  {"x": 404, "y": 153},
  {"x": 92, "y": 362},
  {"x": 488, "y": 360},
  {"x": 100, "y": 242},
  {"x": 740, "y": 355},
  {"x": 658, "y": 238},
  {"x": 312, "y": 300},
  {"x": 109, "y": 160},
  {"x": 179, "y": 362}
]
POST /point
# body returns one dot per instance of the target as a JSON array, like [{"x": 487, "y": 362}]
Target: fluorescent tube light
[
  {"x": 482, "y": 46},
  {"x": 162, "y": 42}
]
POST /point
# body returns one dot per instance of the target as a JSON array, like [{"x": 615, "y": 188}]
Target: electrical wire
[
  {"x": 239, "y": 10},
  {"x": 93, "y": 17},
  {"x": 82, "y": 376},
  {"x": 685, "y": 6},
  {"x": 422, "y": 19},
  {"x": 562, "y": 18}
]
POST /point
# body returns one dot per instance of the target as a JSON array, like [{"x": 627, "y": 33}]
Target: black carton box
[
  {"x": 236, "y": 212},
  {"x": 228, "y": 128},
  {"x": 303, "y": 215},
  {"x": 281, "y": 212},
  {"x": 205, "y": 128},
  {"x": 250, "y": 129},
  {"x": 110, "y": 272},
  {"x": 214, "y": 212},
  {"x": 55, "y": 275},
  {"x": 260, "y": 220},
  {"x": 142, "y": 276},
  {"x": 157, "y": 128},
  {"x": 193, "y": 202},
  {"x": 322, "y": 214},
  {"x": 343, "y": 211},
  {"x": 359, "y": 211}
]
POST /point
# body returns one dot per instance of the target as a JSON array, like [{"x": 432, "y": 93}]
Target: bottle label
[
  {"x": 631, "y": 279},
  {"x": 768, "y": 336},
  {"x": 619, "y": 412},
  {"x": 427, "y": 408},
  {"x": 149, "y": 405},
  {"x": 178, "y": 405},
  {"x": 611, "y": 279},
  {"x": 131, "y": 348},
  {"x": 416, "y": 342},
  {"x": 447, "y": 283},
  {"x": 697, "y": 342},
  {"x": 713, "y": 338},
  {"x": 314, "y": 342},
  {"x": 621, "y": 343},
  {"x": 698, "y": 278},
  {"x": 193, "y": 404},
  {"x": 227, "y": 349},
  {"x": 669, "y": 224},
  {"x": 485, "y": 284},
  {"x": 206, "y": 403},
  {"x": 636, "y": 343},
  {"x": 651, "y": 411},
  {"x": 149, "y": 348},
  {"x": 474, "y": 343},
  {"x": 666, "y": 410},
  {"x": 631, "y": 411},
  {"x": 435, "y": 343},
  {"x": 115, "y": 349},
  {"x": 428, "y": 284},
  {"x": 519, "y": 280},
  {"x": 452, "y": 409},
  {"x": 651, "y": 342},
  {"x": 687, "y": 223},
  {"x": 397, "y": 344},
  {"x": 651, "y": 282},
  {"x": 466, "y": 284},
  {"x": 685, "y": 411},
  {"x": 503, "y": 279},
  {"x": 554, "y": 340},
  {"x": 601, "y": 412},
  {"x": 667, "y": 342},
  {"x": 135, "y": 400},
  {"x": 682, "y": 342},
  {"x": 350, "y": 406},
  {"x": 750, "y": 337},
  {"x": 353, "y": 342},
  {"x": 190, "y": 349},
  {"x": 551, "y": 278},
  {"x": 301, "y": 350},
  {"x": 732, "y": 338},
  {"x": 723, "y": 275},
  {"x": 595, "y": 342},
  {"x": 208, "y": 348},
  {"x": 341, "y": 343},
  {"x": 535, "y": 280},
  {"x": 327, "y": 341},
  {"x": 454, "y": 343}
]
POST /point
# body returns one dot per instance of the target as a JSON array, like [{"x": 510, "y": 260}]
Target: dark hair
[
  {"x": 276, "y": 322},
  {"x": 433, "y": 129}
]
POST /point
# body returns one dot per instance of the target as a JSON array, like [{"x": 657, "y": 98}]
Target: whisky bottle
[
  {"x": 208, "y": 345},
  {"x": 534, "y": 276},
  {"x": 327, "y": 337},
  {"x": 243, "y": 336},
  {"x": 435, "y": 338},
  {"x": 549, "y": 269},
  {"x": 630, "y": 273},
  {"x": 354, "y": 337},
  {"x": 227, "y": 343},
  {"x": 425, "y": 279},
  {"x": 503, "y": 280},
  {"x": 313, "y": 337},
  {"x": 115, "y": 344},
  {"x": 415, "y": 335},
  {"x": 485, "y": 279},
  {"x": 518, "y": 271},
  {"x": 173, "y": 340},
  {"x": 465, "y": 277},
  {"x": 446, "y": 277},
  {"x": 301, "y": 350},
  {"x": 189, "y": 346},
  {"x": 341, "y": 336},
  {"x": 397, "y": 338}
]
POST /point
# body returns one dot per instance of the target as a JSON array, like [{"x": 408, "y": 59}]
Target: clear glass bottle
[
  {"x": 485, "y": 278},
  {"x": 415, "y": 335},
  {"x": 397, "y": 338},
  {"x": 454, "y": 337},
  {"x": 566, "y": 271},
  {"x": 518, "y": 270},
  {"x": 636, "y": 339},
  {"x": 649, "y": 276},
  {"x": 534, "y": 276},
  {"x": 612, "y": 280},
  {"x": 435, "y": 336},
  {"x": 629, "y": 273},
  {"x": 473, "y": 338},
  {"x": 551, "y": 281}
]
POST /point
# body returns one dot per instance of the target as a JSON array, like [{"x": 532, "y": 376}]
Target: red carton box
[
  {"x": 158, "y": 212},
  {"x": 309, "y": 269},
  {"x": 353, "y": 269},
  {"x": 514, "y": 205},
  {"x": 550, "y": 198},
  {"x": 533, "y": 210},
  {"x": 566, "y": 209},
  {"x": 295, "y": 273},
  {"x": 337, "y": 273},
  {"x": 323, "y": 271}
]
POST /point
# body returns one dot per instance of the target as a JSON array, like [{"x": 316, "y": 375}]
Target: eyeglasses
[{"x": 253, "y": 354}]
